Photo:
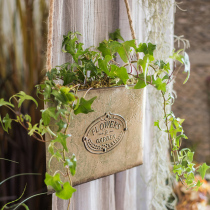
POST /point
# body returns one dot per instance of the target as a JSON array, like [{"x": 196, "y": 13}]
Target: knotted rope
[
  {"x": 131, "y": 25},
  {"x": 50, "y": 37}
]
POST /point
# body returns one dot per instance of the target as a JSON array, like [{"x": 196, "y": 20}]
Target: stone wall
[{"x": 192, "y": 103}]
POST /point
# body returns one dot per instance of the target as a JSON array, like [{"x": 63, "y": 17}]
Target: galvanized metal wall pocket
[{"x": 105, "y": 143}]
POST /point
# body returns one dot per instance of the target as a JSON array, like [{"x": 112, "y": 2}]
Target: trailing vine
[{"x": 95, "y": 68}]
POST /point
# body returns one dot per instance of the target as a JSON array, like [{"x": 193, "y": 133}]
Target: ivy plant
[{"x": 96, "y": 67}]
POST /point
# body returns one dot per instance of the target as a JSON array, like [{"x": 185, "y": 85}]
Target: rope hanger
[{"x": 131, "y": 24}]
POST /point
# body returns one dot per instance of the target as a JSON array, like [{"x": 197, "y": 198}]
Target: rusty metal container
[{"x": 108, "y": 140}]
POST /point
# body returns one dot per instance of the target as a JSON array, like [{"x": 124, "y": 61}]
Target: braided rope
[
  {"x": 130, "y": 19},
  {"x": 131, "y": 24},
  {"x": 50, "y": 36}
]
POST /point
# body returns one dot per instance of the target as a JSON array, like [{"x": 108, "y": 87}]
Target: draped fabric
[{"x": 95, "y": 19}]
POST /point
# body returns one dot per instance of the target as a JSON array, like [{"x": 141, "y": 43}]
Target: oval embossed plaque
[{"x": 104, "y": 133}]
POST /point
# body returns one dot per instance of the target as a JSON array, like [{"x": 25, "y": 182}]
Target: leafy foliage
[
  {"x": 94, "y": 68},
  {"x": 5, "y": 103},
  {"x": 85, "y": 106},
  {"x": 21, "y": 96},
  {"x": 47, "y": 114},
  {"x": 61, "y": 138},
  {"x": 116, "y": 35},
  {"x": 146, "y": 49},
  {"x": 7, "y": 122},
  {"x": 63, "y": 190},
  {"x": 202, "y": 170}
]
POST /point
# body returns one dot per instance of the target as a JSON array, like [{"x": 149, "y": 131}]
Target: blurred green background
[{"x": 23, "y": 38}]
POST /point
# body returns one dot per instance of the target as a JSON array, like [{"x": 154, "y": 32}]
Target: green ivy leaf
[
  {"x": 104, "y": 63},
  {"x": 53, "y": 181},
  {"x": 189, "y": 178},
  {"x": 178, "y": 169},
  {"x": 66, "y": 192},
  {"x": 142, "y": 48},
  {"x": 68, "y": 78},
  {"x": 141, "y": 82},
  {"x": 202, "y": 170},
  {"x": 85, "y": 106},
  {"x": 22, "y": 97},
  {"x": 184, "y": 163},
  {"x": 123, "y": 55},
  {"x": 61, "y": 138},
  {"x": 3, "y": 103},
  {"x": 47, "y": 114},
  {"x": 69, "y": 97},
  {"x": 116, "y": 35},
  {"x": 45, "y": 89},
  {"x": 157, "y": 123},
  {"x": 89, "y": 65},
  {"x": 52, "y": 74},
  {"x": 128, "y": 44},
  {"x": 27, "y": 118},
  {"x": 62, "y": 112},
  {"x": 59, "y": 96},
  {"x": 166, "y": 77},
  {"x": 177, "y": 56},
  {"x": 190, "y": 156},
  {"x": 64, "y": 96},
  {"x": 7, "y": 122},
  {"x": 32, "y": 129},
  {"x": 159, "y": 84},
  {"x": 114, "y": 46},
  {"x": 51, "y": 148},
  {"x": 76, "y": 105},
  {"x": 120, "y": 72},
  {"x": 61, "y": 125},
  {"x": 79, "y": 52},
  {"x": 167, "y": 67},
  {"x": 198, "y": 185},
  {"x": 145, "y": 63},
  {"x": 163, "y": 65},
  {"x": 182, "y": 136},
  {"x": 146, "y": 49},
  {"x": 124, "y": 50},
  {"x": 42, "y": 129},
  {"x": 104, "y": 49},
  {"x": 72, "y": 164},
  {"x": 63, "y": 190},
  {"x": 70, "y": 45},
  {"x": 180, "y": 121},
  {"x": 173, "y": 132},
  {"x": 178, "y": 139},
  {"x": 151, "y": 48},
  {"x": 191, "y": 166}
]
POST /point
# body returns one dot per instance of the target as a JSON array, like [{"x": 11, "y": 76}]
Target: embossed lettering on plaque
[{"x": 104, "y": 133}]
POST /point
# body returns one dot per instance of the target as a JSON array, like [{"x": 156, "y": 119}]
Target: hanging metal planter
[{"x": 108, "y": 140}]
